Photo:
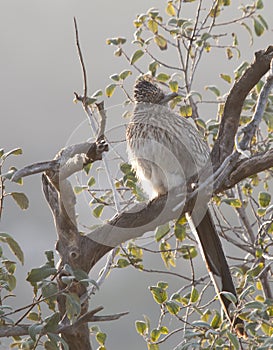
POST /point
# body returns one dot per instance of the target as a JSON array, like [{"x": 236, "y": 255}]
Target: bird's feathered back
[{"x": 147, "y": 92}]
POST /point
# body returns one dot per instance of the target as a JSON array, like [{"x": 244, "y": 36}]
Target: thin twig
[{"x": 81, "y": 60}]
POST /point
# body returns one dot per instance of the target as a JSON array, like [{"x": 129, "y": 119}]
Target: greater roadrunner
[{"x": 166, "y": 151}]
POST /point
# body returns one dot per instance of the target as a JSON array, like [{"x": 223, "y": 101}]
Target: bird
[{"x": 167, "y": 151}]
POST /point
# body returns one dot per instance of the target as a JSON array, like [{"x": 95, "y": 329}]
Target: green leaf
[
  {"x": 234, "y": 202},
  {"x": 21, "y": 199},
  {"x": 258, "y": 27},
  {"x": 163, "y": 77},
  {"x": 122, "y": 263},
  {"x": 40, "y": 273},
  {"x": 241, "y": 69},
  {"x": 180, "y": 231},
  {"x": 231, "y": 297},
  {"x": 234, "y": 341},
  {"x": 164, "y": 330},
  {"x": 264, "y": 23},
  {"x": 200, "y": 123},
  {"x": 173, "y": 85},
  {"x": 91, "y": 181},
  {"x": 13, "y": 245},
  {"x": 115, "y": 77},
  {"x": 163, "y": 285},
  {"x": 161, "y": 231},
  {"x": 161, "y": 42},
  {"x": 216, "y": 321},
  {"x": 172, "y": 307},
  {"x": 170, "y": 10},
  {"x": 34, "y": 330},
  {"x": 79, "y": 189},
  {"x": 194, "y": 295},
  {"x": 73, "y": 306},
  {"x": 97, "y": 93},
  {"x": 188, "y": 251},
  {"x": 153, "y": 346},
  {"x": 213, "y": 89},
  {"x": 136, "y": 56},
  {"x": 226, "y": 77},
  {"x": 153, "y": 26},
  {"x": 159, "y": 294},
  {"x": 124, "y": 74},
  {"x": 141, "y": 327},
  {"x": 14, "y": 152},
  {"x": 98, "y": 210},
  {"x": 11, "y": 281},
  {"x": 109, "y": 90},
  {"x": 101, "y": 337},
  {"x": 52, "y": 322},
  {"x": 155, "y": 334},
  {"x": 58, "y": 340},
  {"x": 185, "y": 111},
  {"x": 264, "y": 199},
  {"x": 259, "y": 4},
  {"x": 153, "y": 67},
  {"x": 125, "y": 168},
  {"x": 33, "y": 316}
]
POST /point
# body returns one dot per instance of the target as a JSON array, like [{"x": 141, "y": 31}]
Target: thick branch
[{"x": 224, "y": 144}]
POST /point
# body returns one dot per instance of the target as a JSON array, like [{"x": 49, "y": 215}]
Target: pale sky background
[{"x": 39, "y": 71}]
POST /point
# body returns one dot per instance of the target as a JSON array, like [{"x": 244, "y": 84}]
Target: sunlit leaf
[
  {"x": 185, "y": 111},
  {"x": 141, "y": 327},
  {"x": 170, "y": 10},
  {"x": 259, "y": 4},
  {"x": 115, "y": 77},
  {"x": 194, "y": 295},
  {"x": 101, "y": 337},
  {"x": 109, "y": 90},
  {"x": 249, "y": 32},
  {"x": 155, "y": 334},
  {"x": 173, "y": 84},
  {"x": 172, "y": 307},
  {"x": 226, "y": 77},
  {"x": 152, "y": 25},
  {"x": 234, "y": 202},
  {"x": 14, "y": 152},
  {"x": 159, "y": 294}
]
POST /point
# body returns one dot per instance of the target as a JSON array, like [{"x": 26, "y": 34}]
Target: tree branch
[{"x": 224, "y": 144}]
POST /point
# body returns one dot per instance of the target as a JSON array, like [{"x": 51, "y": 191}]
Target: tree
[{"x": 241, "y": 157}]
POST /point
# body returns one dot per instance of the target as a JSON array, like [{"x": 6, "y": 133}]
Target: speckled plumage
[{"x": 164, "y": 148}]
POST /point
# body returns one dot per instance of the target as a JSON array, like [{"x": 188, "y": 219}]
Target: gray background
[{"x": 39, "y": 70}]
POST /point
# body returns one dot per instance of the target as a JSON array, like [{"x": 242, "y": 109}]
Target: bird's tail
[{"x": 214, "y": 257}]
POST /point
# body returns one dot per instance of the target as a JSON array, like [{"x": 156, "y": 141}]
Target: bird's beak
[{"x": 168, "y": 98}]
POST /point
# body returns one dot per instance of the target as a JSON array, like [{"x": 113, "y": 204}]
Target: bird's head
[{"x": 147, "y": 92}]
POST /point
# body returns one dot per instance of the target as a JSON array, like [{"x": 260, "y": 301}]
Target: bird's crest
[{"x": 146, "y": 91}]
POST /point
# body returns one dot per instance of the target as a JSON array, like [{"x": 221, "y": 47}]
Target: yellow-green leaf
[
  {"x": 13, "y": 245},
  {"x": 152, "y": 25},
  {"x": 109, "y": 90},
  {"x": 124, "y": 74},
  {"x": 101, "y": 337},
  {"x": 159, "y": 294},
  {"x": 98, "y": 210},
  {"x": 161, "y": 42},
  {"x": 185, "y": 111},
  {"x": 141, "y": 327},
  {"x": 226, "y": 77},
  {"x": 155, "y": 334},
  {"x": 163, "y": 77},
  {"x": 136, "y": 56},
  {"x": 172, "y": 307},
  {"x": 194, "y": 295},
  {"x": 264, "y": 199},
  {"x": 234, "y": 202},
  {"x": 21, "y": 199},
  {"x": 258, "y": 27},
  {"x": 173, "y": 84},
  {"x": 170, "y": 10}
]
